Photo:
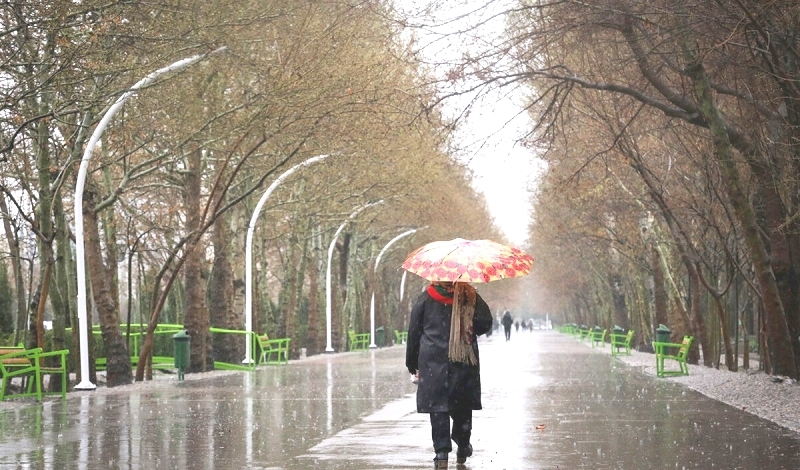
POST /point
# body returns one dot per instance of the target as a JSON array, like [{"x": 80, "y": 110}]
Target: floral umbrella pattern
[{"x": 461, "y": 260}]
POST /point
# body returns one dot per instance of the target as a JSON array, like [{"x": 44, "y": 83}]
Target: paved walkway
[{"x": 549, "y": 403}]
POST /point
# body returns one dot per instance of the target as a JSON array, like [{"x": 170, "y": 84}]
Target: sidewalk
[{"x": 549, "y": 403}]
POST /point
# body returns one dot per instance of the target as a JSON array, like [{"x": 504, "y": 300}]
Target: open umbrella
[{"x": 461, "y": 260}]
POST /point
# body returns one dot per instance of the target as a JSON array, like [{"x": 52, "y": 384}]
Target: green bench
[
  {"x": 358, "y": 341},
  {"x": 672, "y": 351},
  {"x": 401, "y": 337},
  {"x": 273, "y": 351},
  {"x": 598, "y": 337},
  {"x": 31, "y": 364},
  {"x": 584, "y": 334},
  {"x": 157, "y": 362},
  {"x": 621, "y": 341}
]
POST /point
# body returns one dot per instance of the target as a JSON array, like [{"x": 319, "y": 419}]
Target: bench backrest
[
  {"x": 17, "y": 359},
  {"x": 10, "y": 349},
  {"x": 265, "y": 342},
  {"x": 684, "y": 349}
]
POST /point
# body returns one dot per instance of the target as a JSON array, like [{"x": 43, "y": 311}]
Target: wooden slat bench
[
  {"x": 31, "y": 365},
  {"x": 274, "y": 351},
  {"x": 54, "y": 363},
  {"x": 16, "y": 361},
  {"x": 673, "y": 351},
  {"x": 358, "y": 341}
]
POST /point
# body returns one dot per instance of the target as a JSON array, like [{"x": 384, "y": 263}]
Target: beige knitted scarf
[{"x": 461, "y": 328}]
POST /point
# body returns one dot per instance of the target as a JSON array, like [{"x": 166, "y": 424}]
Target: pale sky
[{"x": 504, "y": 170}]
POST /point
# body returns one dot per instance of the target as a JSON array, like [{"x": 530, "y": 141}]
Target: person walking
[
  {"x": 442, "y": 353},
  {"x": 507, "y": 321}
]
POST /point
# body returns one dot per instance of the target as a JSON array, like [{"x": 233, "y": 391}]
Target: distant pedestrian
[
  {"x": 507, "y": 321},
  {"x": 442, "y": 352},
  {"x": 516, "y": 326}
]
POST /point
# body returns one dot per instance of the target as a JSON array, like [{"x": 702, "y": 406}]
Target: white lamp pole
[
  {"x": 403, "y": 284},
  {"x": 85, "y": 383},
  {"x": 248, "y": 270},
  {"x": 328, "y": 302},
  {"x": 372, "y": 344}
]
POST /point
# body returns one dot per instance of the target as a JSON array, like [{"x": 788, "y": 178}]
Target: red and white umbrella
[{"x": 461, "y": 260}]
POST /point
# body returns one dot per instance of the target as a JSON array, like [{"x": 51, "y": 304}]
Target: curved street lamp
[
  {"x": 374, "y": 271},
  {"x": 85, "y": 383},
  {"x": 248, "y": 270},
  {"x": 328, "y": 302}
]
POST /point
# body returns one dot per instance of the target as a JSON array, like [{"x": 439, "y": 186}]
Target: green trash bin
[
  {"x": 662, "y": 334},
  {"x": 380, "y": 337},
  {"x": 616, "y": 338},
  {"x": 181, "y": 341}
]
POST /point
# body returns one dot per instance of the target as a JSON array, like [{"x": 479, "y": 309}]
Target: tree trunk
[
  {"x": 344, "y": 258},
  {"x": 781, "y": 238},
  {"x": 777, "y": 327},
  {"x": 290, "y": 315},
  {"x": 44, "y": 219},
  {"x": 746, "y": 335},
  {"x": 16, "y": 266},
  {"x": 683, "y": 244},
  {"x": 403, "y": 309},
  {"x": 724, "y": 328},
  {"x": 118, "y": 363},
  {"x": 314, "y": 340},
  {"x": 227, "y": 348},
  {"x": 63, "y": 287},
  {"x": 338, "y": 327},
  {"x": 618, "y": 299},
  {"x": 39, "y": 323},
  {"x": 196, "y": 317},
  {"x": 659, "y": 289},
  {"x": 730, "y": 363}
]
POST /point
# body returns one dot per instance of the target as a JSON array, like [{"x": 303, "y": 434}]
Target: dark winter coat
[
  {"x": 507, "y": 320},
  {"x": 443, "y": 385}
]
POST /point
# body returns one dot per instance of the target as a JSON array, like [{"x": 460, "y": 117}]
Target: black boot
[
  {"x": 440, "y": 461},
  {"x": 463, "y": 453}
]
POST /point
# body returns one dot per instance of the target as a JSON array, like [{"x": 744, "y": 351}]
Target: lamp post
[
  {"x": 85, "y": 383},
  {"x": 403, "y": 285},
  {"x": 248, "y": 272},
  {"x": 372, "y": 344},
  {"x": 328, "y": 302}
]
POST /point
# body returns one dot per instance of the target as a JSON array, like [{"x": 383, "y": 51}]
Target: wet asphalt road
[{"x": 549, "y": 403}]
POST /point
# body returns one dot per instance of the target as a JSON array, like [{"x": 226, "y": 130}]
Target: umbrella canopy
[{"x": 461, "y": 260}]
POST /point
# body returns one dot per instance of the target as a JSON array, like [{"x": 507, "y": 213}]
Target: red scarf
[{"x": 439, "y": 297}]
